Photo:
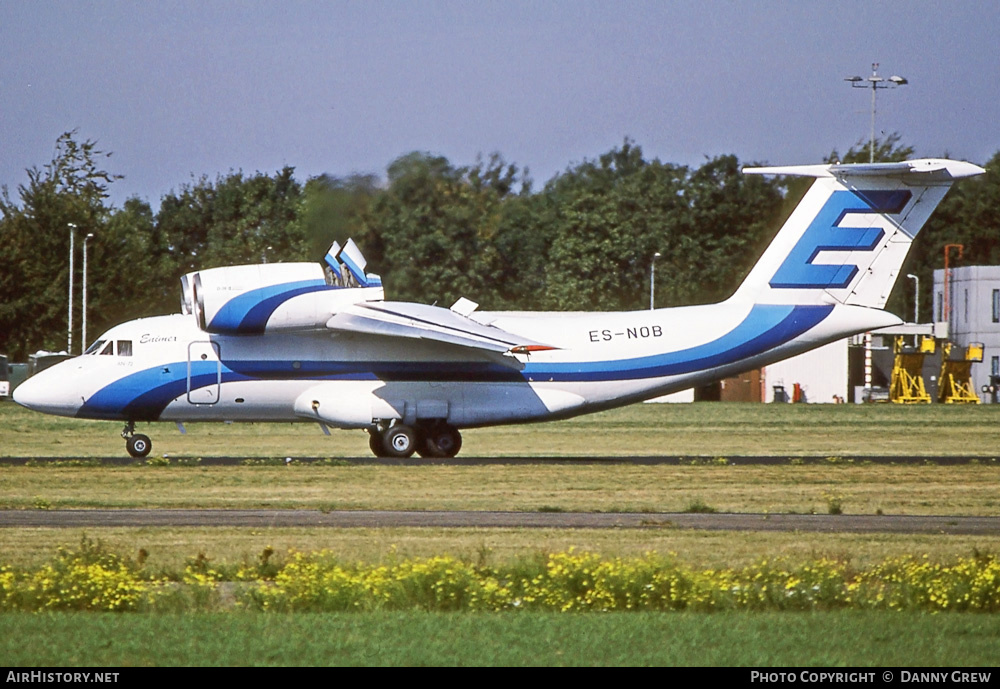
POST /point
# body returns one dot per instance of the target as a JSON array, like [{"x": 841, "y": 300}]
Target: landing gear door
[{"x": 204, "y": 373}]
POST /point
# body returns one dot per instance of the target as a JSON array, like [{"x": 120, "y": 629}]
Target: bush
[{"x": 90, "y": 578}]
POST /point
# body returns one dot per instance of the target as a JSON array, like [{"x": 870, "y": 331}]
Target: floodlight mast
[
  {"x": 69, "y": 315},
  {"x": 875, "y": 82},
  {"x": 83, "y": 344}
]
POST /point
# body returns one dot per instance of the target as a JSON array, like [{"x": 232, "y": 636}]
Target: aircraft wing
[{"x": 424, "y": 322}]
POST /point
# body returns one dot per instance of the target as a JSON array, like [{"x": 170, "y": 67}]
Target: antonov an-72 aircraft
[{"x": 303, "y": 341}]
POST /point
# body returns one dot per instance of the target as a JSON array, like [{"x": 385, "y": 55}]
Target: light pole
[
  {"x": 916, "y": 297},
  {"x": 875, "y": 82},
  {"x": 69, "y": 327},
  {"x": 652, "y": 279},
  {"x": 947, "y": 281},
  {"x": 86, "y": 239}
]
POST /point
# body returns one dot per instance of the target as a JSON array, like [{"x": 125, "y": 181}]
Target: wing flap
[{"x": 424, "y": 322}]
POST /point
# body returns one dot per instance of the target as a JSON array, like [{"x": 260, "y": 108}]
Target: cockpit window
[
  {"x": 124, "y": 347},
  {"x": 92, "y": 349},
  {"x": 109, "y": 349}
]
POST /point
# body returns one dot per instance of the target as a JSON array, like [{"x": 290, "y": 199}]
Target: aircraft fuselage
[{"x": 166, "y": 368}]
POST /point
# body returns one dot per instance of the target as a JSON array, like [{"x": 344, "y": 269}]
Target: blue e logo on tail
[{"x": 825, "y": 234}]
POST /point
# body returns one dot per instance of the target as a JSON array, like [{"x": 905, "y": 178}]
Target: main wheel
[
  {"x": 399, "y": 441},
  {"x": 442, "y": 440},
  {"x": 138, "y": 445}
]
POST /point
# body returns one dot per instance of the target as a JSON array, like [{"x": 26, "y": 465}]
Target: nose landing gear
[{"x": 137, "y": 444}]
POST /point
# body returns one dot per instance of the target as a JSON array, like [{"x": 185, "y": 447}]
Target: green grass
[
  {"x": 968, "y": 489},
  {"x": 709, "y": 430},
  {"x": 827, "y": 639},
  {"x": 170, "y": 548}
]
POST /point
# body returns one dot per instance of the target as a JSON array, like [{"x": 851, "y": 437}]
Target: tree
[
  {"x": 887, "y": 150},
  {"x": 131, "y": 269},
  {"x": 235, "y": 220},
  {"x": 434, "y": 225},
  {"x": 35, "y": 233},
  {"x": 593, "y": 231},
  {"x": 335, "y": 208}
]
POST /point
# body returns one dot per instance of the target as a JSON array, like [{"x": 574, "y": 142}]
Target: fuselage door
[{"x": 204, "y": 373}]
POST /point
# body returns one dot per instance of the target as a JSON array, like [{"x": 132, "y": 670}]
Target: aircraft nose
[{"x": 49, "y": 392}]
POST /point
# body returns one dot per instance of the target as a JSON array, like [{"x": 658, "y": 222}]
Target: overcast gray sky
[{"x": 179, "y": 89}]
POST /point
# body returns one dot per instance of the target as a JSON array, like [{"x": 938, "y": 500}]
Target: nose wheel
[{"x": 137, "y": 444}]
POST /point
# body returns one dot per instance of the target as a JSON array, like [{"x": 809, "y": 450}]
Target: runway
[
  {"x": 806, "y": 523},
  {"x": 471, "y": 460}
]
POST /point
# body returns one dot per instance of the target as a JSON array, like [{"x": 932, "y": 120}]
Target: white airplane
[{"x": 300, "y": 341}]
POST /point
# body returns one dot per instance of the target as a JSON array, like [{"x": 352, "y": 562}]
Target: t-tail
[{"x": 846, "y": 241}]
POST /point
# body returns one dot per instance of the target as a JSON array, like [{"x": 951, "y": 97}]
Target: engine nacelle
[{"x": 272, "y": 297}]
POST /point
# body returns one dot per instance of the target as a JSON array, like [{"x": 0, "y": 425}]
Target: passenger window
[
  {"x": 124, "y": 347},
  {"x": 92, "y": 349},
  {"x": 109, "y": 349}
]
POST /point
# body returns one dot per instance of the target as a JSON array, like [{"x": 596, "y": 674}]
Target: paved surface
[
  {"x": 465, "y": 460},
  {"x": 552, "y": 520}
]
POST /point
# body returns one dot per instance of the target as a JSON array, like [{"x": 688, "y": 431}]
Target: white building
[
  {"x": 820, "y": 373},
  {"x": 973, "y": 315}
]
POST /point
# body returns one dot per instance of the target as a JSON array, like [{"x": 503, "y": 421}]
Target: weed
[
  {"x": 483, "y": 555},
  {"x": 331, "y": 462},
  {"x": 262, "y": 462},
  {"x": 698, "y": 506}
]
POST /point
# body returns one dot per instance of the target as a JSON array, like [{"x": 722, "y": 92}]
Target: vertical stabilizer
[{"x": 846, "y": 240}]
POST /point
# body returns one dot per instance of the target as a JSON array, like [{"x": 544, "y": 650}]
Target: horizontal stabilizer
[
  {"x": 924, "y": 169},
  {"x": 420, "y": 321}
]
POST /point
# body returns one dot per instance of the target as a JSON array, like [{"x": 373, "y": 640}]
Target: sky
[{"x": 179, "y": 89}]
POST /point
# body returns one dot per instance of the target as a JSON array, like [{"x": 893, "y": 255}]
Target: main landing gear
[
  {"x": 137, "y": 444},
  {"x": 437, "y": 439}
]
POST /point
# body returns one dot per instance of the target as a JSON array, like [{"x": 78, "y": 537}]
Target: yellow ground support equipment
[
  {"x": 955, "y": 384},
  {"x": 907, "y": 385}
]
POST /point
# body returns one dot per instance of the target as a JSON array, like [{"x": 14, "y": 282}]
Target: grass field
[
  {"x": 697, "y": 430},
  {"x": 705, "y": 432},
  {"x": 854, "y": 639}
]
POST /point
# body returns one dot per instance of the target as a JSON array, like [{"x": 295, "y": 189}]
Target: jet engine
[{"x": 272, "y": 297}]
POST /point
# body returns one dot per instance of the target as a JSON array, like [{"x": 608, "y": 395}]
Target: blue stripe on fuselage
[
  {"x": 765, "y": 327},
  {"x": 143, "y": 395}
]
